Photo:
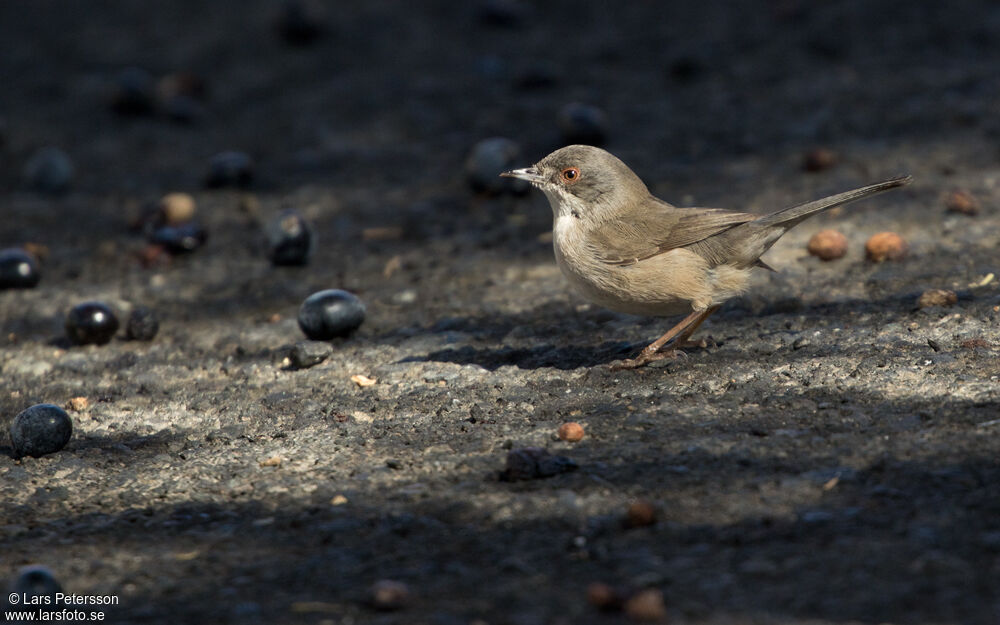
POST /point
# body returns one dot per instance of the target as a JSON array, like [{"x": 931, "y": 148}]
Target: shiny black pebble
[
  {"x": 41, "y": 429},
  {"x": 18, "y": 269},
  {"x": 91, "y": 322},
  {"x": 328, "y": 314}
]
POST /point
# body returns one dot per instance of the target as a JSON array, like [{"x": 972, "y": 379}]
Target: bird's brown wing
[{"x": 656, "y": 227}]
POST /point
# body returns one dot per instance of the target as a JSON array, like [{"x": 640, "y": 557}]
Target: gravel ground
[{"x": 830, "y": 456}]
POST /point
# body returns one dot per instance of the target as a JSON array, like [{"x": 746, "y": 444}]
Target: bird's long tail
[{"x": 789, "y": 217}]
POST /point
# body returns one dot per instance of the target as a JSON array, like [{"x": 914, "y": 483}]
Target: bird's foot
[{"x": 644, "y": 358}]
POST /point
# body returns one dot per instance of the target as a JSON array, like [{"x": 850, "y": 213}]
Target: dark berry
[
  {"x": 91, "y": 322},
  {"x": 229, "y": 169},
  {"x": 328, "y": 314},
  {"x": 180, "y": 239},
  {"x": 142, "y": 325},
  {"x": 300, "y": 22},
  {"x": 39, "y": 430},
  {"x": 583, "y": 123},
  {"x": 134, "y": 92},
  {"x": 18, "y": 269},
  {"x": 488, "y": 159},
  {"x": 49, "y": 170},
  {"x": 289, "y": 239}
]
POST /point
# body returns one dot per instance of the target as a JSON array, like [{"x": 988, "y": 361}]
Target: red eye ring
[{"x": 570, "y": 174}]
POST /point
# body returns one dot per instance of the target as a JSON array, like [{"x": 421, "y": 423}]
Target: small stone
[
  {"x": 134, "y": 92},
  {"x": 36, "y": 581},
  {"x": 962, "y": 202},
  {"x": 143, "y": 324},
  {"x": 937, "y": 297},
  {"x": 603, "y": 596},
  {"x": 828, "y": 245},
  {"x": 886, "y": 246},
  {"x": 180, "y": 239},
  {"x": 582, "y": 124},
  {"x": 305, "y": 354},
  {"x": 571, "y": 432},
  {"x": 529, "y": 463},
  {"x": 819, "y": 159},
  {"x": 49, "y": 170},
  {"x": 78, "y": 404},
  {"x": 289, "y": 239},
  {"x": 229, "y": 169},
  {"x": 273, "y": 461},
  {"x": 177, "y": 208},
  {"x": 18, "y": 269},
  {"x": 329, "y": 314},
  {"x": 646, "y": 606},
  {"x": 39, "y": 430},
  {"x": 91, "y": 322},
  {"x": 300, "y": 22},
  {"x": 387, "y": 594},
  {"x": 488, "y": 159},
  {"x": 363, "y": 380},
  {"x": 640, "y": 513}
]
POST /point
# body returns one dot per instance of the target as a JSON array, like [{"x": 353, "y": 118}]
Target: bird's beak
[{"x": 531, "y": 174}]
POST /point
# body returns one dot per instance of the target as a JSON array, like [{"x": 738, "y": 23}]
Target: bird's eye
[{"x": 570, "y": 174}]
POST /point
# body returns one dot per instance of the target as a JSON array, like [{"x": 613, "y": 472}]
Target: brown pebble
[
  {"x": 603, "y": 596},
  {"x": 937, "y": 297},
  {"x": 646, "y": 606},
  {"x": 886, "y": 246},
  {"x": 571, "y": 431},
  {"x": 177, "y": 208},
  {"x": 78, "y": 404},
  {"x": 640, "y": 513},
  {"x": 819, "y": 159},
  {"x": 961, "y": 201},
  {"x": 389, "y": 594},
  {"x": 38, "y": 250},
  {"x": 273, "y": 461},
  {"x": 974, "y": 343},
  {"x": 828, "y": 245}
]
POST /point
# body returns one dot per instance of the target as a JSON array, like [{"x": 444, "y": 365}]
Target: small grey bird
[{"x": 624, "y": 249}]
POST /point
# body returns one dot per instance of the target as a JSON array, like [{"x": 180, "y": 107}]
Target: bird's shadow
[{"x": 547, "y": 355}]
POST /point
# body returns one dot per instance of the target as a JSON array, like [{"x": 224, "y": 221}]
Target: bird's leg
[
  {"x": 652, "y": 352},
  {"x": 683, "y": 339}
]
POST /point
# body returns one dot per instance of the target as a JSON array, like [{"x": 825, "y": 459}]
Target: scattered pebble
[
  {"x": 529, "y": 463},
  {"x": 646, "y": 606},
  {"x": 886, "y": 246},
  {"x": 819, "y": 159},
  {"x": 962, "y": 202},
  {"x": 828, "y": 245},
  {"x": 142, "y": 325},
  {"x": 389, "y": 594},
  {"x": 78, "y": 404},
  {"x": 937, "y": 297},
  {"x": 49, "y": 170},
  {"x": 488, "y": 159},
  {"x": 229, "y": 169},
  {"x": 18, "y": 269},
  {"x": 91, "y": 322},
  {"x": 273, "y": 461},
  {"x": 331, "y": 313},
  {"x": 289, "y": 239},
  {"x": 176, "y": 208},
  {"x": 181, "y": 238},
  {"x": 39, "y": 430},
  {"x": 305, "y": 354},
  {"x": 603, "y": 596},
  {"x": 582, "y": 123},
  {"x": 571, "y": 431},
  {"x": 363, "y": 380},
  {"x": 36, "y": 581},
  {"x": 640, "y": 513},
  {"x": 300, "y": 22},
  {"x": 134, "y": 92}
]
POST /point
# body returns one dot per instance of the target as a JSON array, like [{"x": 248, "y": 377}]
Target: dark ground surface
[{"x": 821, "y": 463}]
